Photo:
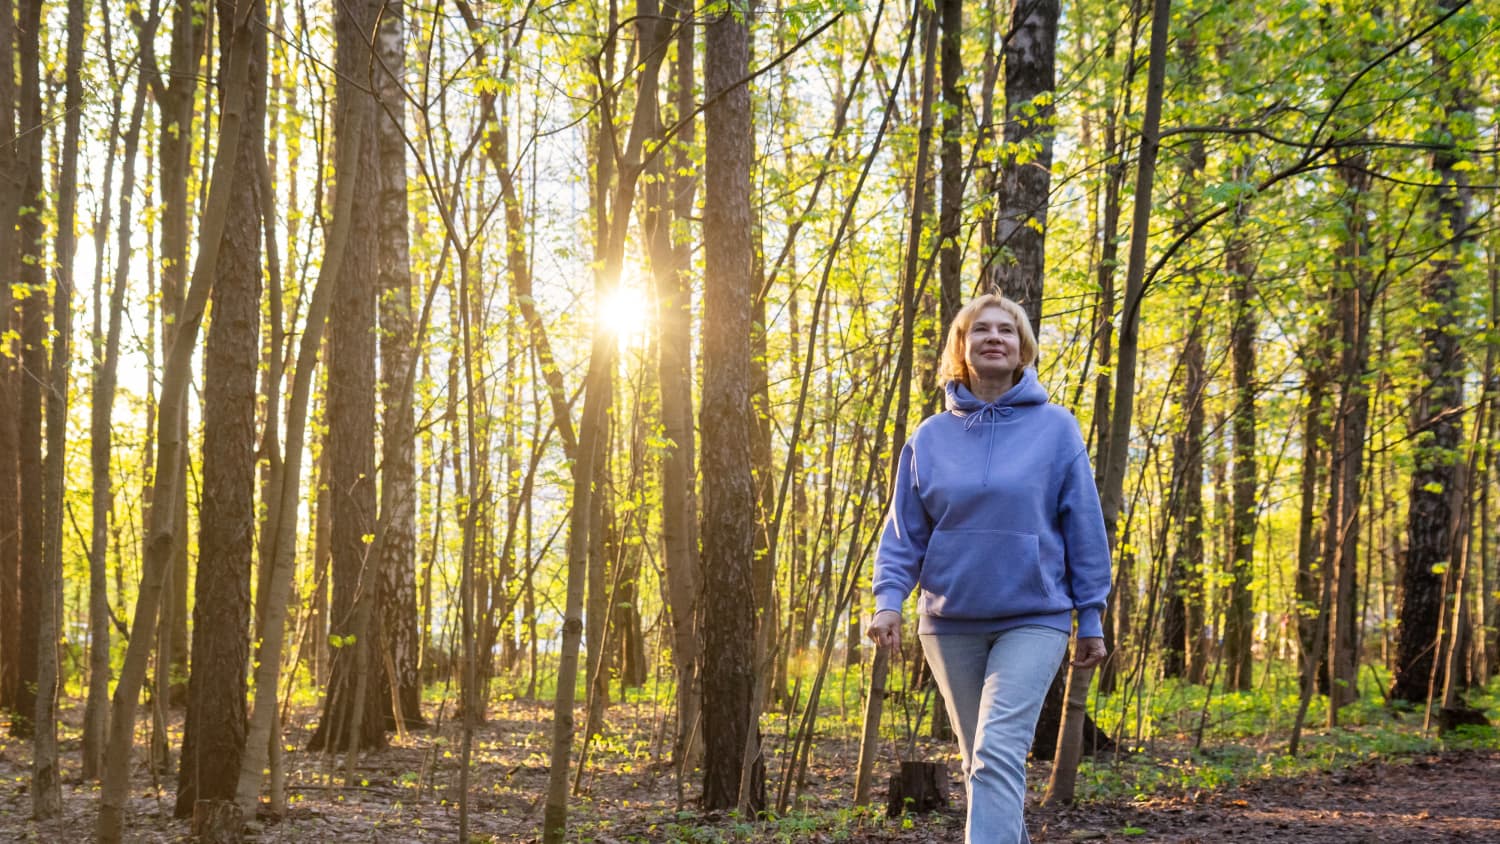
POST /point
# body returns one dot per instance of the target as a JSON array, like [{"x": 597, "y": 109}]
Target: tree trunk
[
  {"x": 398, "y": 573},
  {"x": 950, "y": 217},
  {"x": 46, "y": 778},
  {"x": 177, "y": 100},
  {"x": 161, "y": 526},
  {"x": 728, "y": 531},
  {"x": 214, "y": 729},
  {"x": 669, "y": 198},
  {"x": 591, "y": 442},
  {"x": 1437, "y": 420},
  {"x": 351, "y": 408},
  {"x": 1183, "y": 585},
  {"x": 910, "y": 288},
  {"x": 1354, "y": 297},
  {"x": 1016, "y": 263},
  {"x": 101, "y": 409},
  {"x": 271, "y": 605},
  {"x": 10, "y": 479},
  {"x": 1111, "y": 490},
  {"x": 1239, "y": 620},
  {"x": 1184, "y": 581},
  {"x": 33, "y": 361},
  {"x": 1310, "y": 543}
]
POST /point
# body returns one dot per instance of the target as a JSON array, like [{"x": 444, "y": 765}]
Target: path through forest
[
  {"x": 405, "y": 793},
  {"x": 1448, "y": 797}
]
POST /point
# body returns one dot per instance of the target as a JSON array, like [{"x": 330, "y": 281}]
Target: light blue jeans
[{"x": 994, "y": 684}]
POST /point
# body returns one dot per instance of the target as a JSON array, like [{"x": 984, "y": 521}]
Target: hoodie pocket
[{"x": 984, "y": 574}]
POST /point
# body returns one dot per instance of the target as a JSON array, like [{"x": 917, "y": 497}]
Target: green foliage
[{"x": 1245, "y": 739}]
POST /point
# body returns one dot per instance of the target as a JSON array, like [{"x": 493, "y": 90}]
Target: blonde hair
[{"x": 954, "y": 366}]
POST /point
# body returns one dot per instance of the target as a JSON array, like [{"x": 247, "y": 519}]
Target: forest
[{"x": 476, "y": 422}]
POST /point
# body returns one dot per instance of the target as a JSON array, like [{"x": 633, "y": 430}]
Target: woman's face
[{"x": 992, "y": 347}]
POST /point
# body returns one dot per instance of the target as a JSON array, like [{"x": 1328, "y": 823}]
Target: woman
[{"x": 995, "y": 516}]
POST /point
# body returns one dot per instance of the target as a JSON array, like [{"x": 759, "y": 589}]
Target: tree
[
  {"x": 33, "y": 363},
  {"x": 10, "y": 467},
  {"x": 351, "y": 411},
  {"x": 101, "y": 413},
  {"x": 1437, "y": 416},
  {"x": 46, "y": 774},
  {"x": 161, "y": 522},
  {"x": 214, "y": 729},
  {"x": 1238, "y": 619},
  {"x": 950, "y": 218},
  {"x": 1353, "y": 302},
  {"x": 1116, "y": 459},
  {"x": 728, "y": 528},
  {"x": 1016, "y": 256},
  {"x": 175, "y": 93},
  {"x": 669, "y": 199},
  {"x": 398, "y": 586}
]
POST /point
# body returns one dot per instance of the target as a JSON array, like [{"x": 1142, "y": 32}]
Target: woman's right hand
[{"x": 885, "y": 629}]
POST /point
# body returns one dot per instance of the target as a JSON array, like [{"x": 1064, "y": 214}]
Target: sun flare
[{"x": 626, "y": 313}]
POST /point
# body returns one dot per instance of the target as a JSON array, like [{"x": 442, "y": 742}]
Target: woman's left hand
[{"x": 1089, "y": 652}]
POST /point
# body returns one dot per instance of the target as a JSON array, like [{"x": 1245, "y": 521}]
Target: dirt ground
[{"x": 409, "y": 793}]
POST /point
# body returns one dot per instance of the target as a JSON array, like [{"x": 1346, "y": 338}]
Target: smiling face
[{"x": 992, "y": 347}]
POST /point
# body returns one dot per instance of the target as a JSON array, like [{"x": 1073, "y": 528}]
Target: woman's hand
[
  {"x": 885, "y": 629},
  {"x": 1089, "y": 653}
]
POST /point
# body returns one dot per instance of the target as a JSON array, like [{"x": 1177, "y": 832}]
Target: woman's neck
[{"x": 989, "y": 389}]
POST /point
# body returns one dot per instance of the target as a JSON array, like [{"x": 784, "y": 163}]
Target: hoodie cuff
[
  {"x": 890, "y": 599},
  {"x": 1090, "y": 625}
]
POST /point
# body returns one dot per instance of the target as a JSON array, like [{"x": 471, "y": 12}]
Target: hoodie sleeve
[
  {"x": 903, "y": 543},
  {"x": 1086, "y": 545}
]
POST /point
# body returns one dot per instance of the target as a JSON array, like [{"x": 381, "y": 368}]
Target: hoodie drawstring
[{"x": 989, "y": 452}]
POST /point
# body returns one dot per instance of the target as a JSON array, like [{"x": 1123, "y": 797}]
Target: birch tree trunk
[{"x": 398, "y": 573}]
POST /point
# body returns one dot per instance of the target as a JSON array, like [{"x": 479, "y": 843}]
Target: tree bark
[
  {"x": 728, "y": 529},
  {"x": 33, "y": 361},
  {"x": 669, "y": 199},
  {"x": 10, "y": 468},
  {"x": 1436, "y": 421},
  {"x": 1239, "y": 619},
  {"x": 351, "y": 409},
  {"x": 214, "y": 729},
  {"x": 1016, "y": 264},
  {"x": 950, "y": 216},
  {"x": 161, "y": 532},
  {"x": 398, "y": 573},
  {"x": 271, "y": 605},
  {"x": 46, "y": 778},
  {"x": 101, "y": 409},
  {"x": 1310, "y": 542},
  {"x": 1117, "y": 458},
  {"x": 176, "y": 97},
  {"x": 1346, "y": 471}
]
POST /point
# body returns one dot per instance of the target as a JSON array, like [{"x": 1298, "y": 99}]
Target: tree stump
[
  {"x": 1450, "y": 718},
  {"x": 919, "y": 787},
  {"x": 217, "y": 822}
]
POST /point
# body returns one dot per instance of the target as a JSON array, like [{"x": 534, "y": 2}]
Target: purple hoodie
[{"x": 995, "y": 516}]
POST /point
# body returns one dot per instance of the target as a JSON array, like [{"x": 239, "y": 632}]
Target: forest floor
[{"x": 408, "y": 792}]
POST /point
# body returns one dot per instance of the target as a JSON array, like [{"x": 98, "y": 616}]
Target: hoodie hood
[{"x": 1027, "y": 391}]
